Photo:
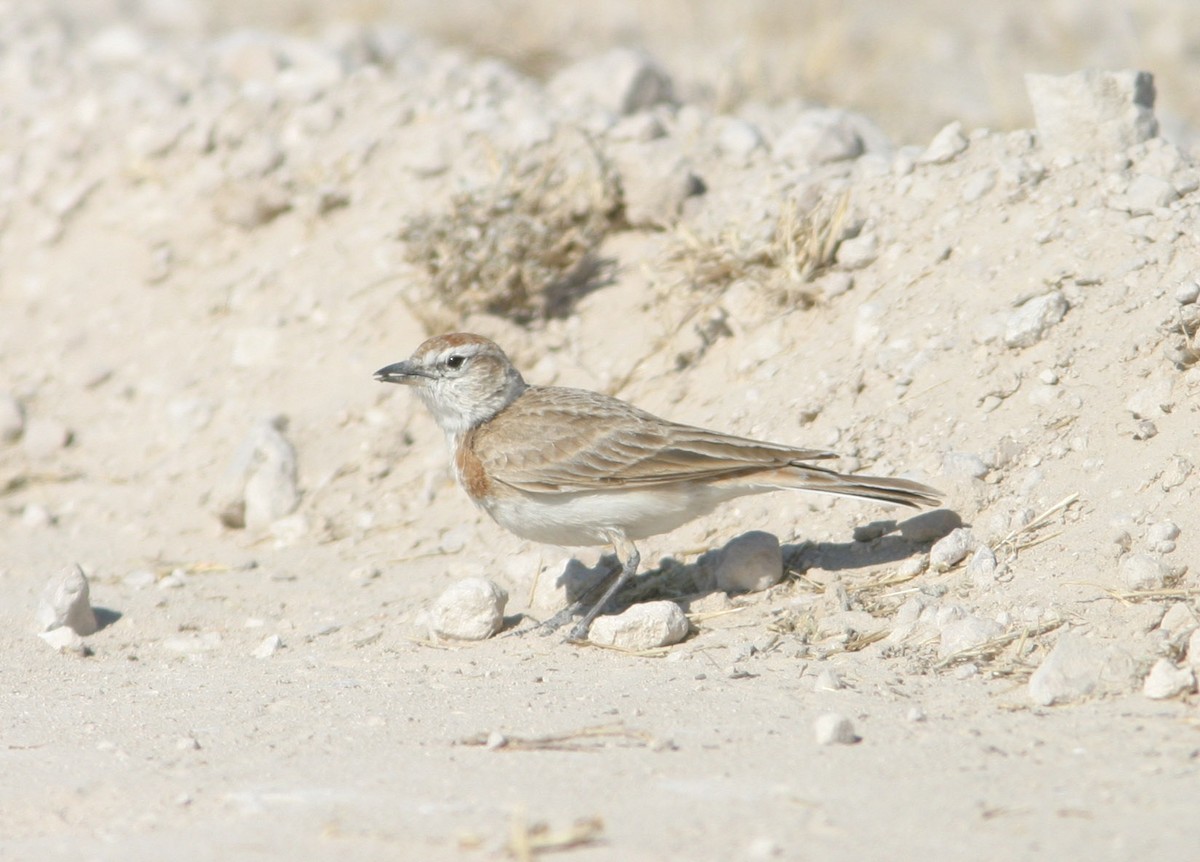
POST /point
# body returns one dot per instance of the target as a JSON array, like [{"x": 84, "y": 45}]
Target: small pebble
[
  {"x": 1193, "y": 648},
  {"x": 472, "y": 609},
  {"x": 364, "y": 574},
  {"x": 269, "y": 646},
  {"x": 645, "y": 626},
  {"x": 947, "y": 552},
  {"x": 915, "y": 714},
  {"x": 65, "y": 603},
  {"x": 1149, "y": 193},
  {"x": 1165, "y": 680},
  {"x": 1028, "y": 325},
  {"x": 834, "y": 729},
  {"x": 1161, "y": 537},
  {"x": 968, "y": 632},
  {"x": 750, "y": 563},
  {"x": 12, "y": 418},
  {"x": 36, "y": 516},
  {"x": 828, "y": 680},
  {"x": 621, "y": 81},
  {"x": 1070, "y": 672},
  {"x": 1144, "y": 429},
  {"x": 982, "y": 567},
  {"x": 1178, "y": 619},
  {"x": 1143, "y": 572},
  {"x": 946, "y": 144},
  {"x": 858, "y": 252},
  {"x": 1188, "y": 292},
  {"x": 44, "y": 437},
  {"x": 963, "y": 465},
  {"x": 66, "y": 641},
  {"x": 271, "y": 486}
]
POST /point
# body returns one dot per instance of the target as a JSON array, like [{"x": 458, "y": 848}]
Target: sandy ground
[{"x": 204, "y": 227}]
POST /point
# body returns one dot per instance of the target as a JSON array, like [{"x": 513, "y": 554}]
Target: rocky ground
[{"x": 233, "y": 541}]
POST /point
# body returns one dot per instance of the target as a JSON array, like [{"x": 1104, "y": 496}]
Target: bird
[{"x": 574, "y": 467}]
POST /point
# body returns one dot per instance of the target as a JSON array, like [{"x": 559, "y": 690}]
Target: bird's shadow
[
  {"x": 879, "y": 543},
  {"x": 105, "y": 617}
]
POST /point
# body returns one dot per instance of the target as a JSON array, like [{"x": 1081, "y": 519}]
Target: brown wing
[{"x": 587, "y": 441}]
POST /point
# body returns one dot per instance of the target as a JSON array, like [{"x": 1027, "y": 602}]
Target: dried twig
[
  {"x": 989, "y": 649},
  {"x": 1040, "y": 521},
  {"x": 527, "y": 840},
  {"x": 584, "y": 739}
]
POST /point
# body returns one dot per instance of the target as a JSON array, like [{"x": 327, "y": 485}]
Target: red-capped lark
[{"x": 573, "y": 467}]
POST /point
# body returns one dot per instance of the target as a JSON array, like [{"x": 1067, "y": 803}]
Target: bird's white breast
[{"x": 586, "y": 518}]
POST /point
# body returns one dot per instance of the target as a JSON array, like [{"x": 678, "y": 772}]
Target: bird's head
[{"x": 463, "y": 379}]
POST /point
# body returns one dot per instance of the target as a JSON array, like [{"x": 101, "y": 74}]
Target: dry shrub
[
  {"x": 780, "y": 268},
  {"x": 522, "y": 247}
]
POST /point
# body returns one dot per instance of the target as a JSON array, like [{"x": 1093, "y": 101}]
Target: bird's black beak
[{"x": 400, "y": 372}]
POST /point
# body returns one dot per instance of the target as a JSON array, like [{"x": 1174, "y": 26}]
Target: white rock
[
  {"x": 194, "y": 644},
  {"x": 1193, "y": 648},
  {"x": 44, "y": 437},
  {"x": 12, "y": 418},
  {"x": 66, "y": 641},
  {"x": 1178, "y": 619},
  {"x": 1154, "y": 399},
  {"x": 1143, "y": 572},
  {"x": 750, "y": 563},
  {"x": 819, "y": 137},
  {"x": 36, "y": 516},
  {"x": 982, "y": 567},
  {"x": 1161, "y": 537},
  {"x": 269, "y": 646},
  {"x": 656, "y": 179},
  {"x": 834, "y": 284},
  {"x": 644, "y": 626},
  {"x": 834, "y": 729},
  {"x": 1147, "y": 194},
  {"x": 1093, "y": 111},
  {"x": 65, "y": 603},
  {"x": 946, "y": 144},
  {"x": 978, "y": 184},
  {"x": 950, "y": 550},
  {"x": 118, "y": 44},
  {"x": 472, "y": 610},
  {"x": 968, "y": 632},
  {"x": 1166, "y": 680},
  {"x": 1072, "y": 671},
  {"x": 621, "y": 81},
  {"x": 260, "y": 486},
  {"x": 828, "y": 680},
  {"x": 641, "y": 128},
  {"x": 1027, "y": 325},
  {"x": 857, "y": 252},
  {"x": 963, "y": 465},
  {"x": 738, "y": 138},
  {"x": 1188, "y": 292}
]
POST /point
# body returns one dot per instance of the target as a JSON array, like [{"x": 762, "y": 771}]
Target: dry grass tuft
[
  {"x": 801, "y": 245},
  {"x": 522, "y": 247}
]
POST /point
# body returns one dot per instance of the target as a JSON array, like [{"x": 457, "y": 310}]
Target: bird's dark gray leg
[{"x": 632, "y": 559}]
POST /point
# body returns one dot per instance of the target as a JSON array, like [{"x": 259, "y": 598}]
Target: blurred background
[{"x": 912, "y": 66}]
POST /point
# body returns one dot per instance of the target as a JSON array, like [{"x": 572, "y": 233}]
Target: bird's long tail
[{"x": 903, "y": 492}]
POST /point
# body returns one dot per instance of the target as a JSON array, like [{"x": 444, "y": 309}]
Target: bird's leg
[{"x": 632, "y": 559}]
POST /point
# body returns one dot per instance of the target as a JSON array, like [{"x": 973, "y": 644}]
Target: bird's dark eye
[{"x": 455, "y": 362}]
